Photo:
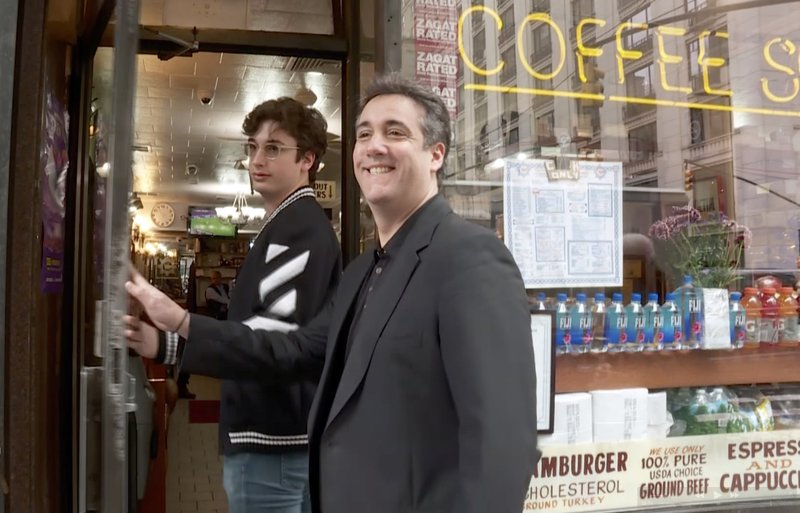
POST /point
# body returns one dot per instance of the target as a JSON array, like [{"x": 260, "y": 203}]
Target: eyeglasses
[{"x": 271, "y": 150}]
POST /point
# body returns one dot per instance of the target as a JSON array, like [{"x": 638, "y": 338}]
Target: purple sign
[{"x": 54, "y": 164}]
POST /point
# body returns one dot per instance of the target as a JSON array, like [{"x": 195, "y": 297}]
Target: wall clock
[{"x": 163, "y": 215}]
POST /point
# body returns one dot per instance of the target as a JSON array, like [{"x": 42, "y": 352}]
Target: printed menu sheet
[{"x": 564, "y": 226}]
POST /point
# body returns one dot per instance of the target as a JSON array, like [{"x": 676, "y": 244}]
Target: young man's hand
[
  {"x": 142, "y": 337},
  {"x": 164, "y": 312}
]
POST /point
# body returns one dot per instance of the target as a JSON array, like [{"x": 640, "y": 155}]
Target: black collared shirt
[
  {"x": 378, "y": 272},
  {"x": 373, "y": 280}
]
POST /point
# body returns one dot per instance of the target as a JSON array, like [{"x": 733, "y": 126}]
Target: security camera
[{"x": 205, "y": 97}]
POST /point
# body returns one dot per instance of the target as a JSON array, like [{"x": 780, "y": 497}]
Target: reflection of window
[
  {"x": 479, "y": 46},
  {"x": 694, "y": 5},
  {"x": 643, "y": 142},
  {"x": 693, "y": 49},
  {"x": 639, "y": 83},
  {"x": 637, "y": 37},
  {"x": 541, "y": 42},
  {"x": 481, "y": 118},
  {"x": 715, "y": 47},
  {"x": 546, "y": 128},
  {"x": 708, "y": 124},
  {"x": 547, "y": 85},
  {"x": 507, "y": 32},
  {"x": 509, "y": 71},
  {"x": 461, "y": 161},
  {"x": 481, "y": 114},
  {"x": 696, "y": 126},
  {"x": 541, "y": 6},
  {"x": 582, "y": 9},
  {"x": 510, "y": 119}
]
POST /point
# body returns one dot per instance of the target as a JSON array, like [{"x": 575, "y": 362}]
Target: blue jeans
[{"x": 267, "y": 483}]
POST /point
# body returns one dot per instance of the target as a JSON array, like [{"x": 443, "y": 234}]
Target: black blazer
[{"x": 435, "y": 409}]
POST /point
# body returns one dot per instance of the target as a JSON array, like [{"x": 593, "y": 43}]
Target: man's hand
[
  {"x": 164, "y": 312},
  {"x": 142, "y": 337}
]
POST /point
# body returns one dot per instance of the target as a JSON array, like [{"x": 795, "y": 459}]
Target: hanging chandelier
[{"x": 240, "y": 213}]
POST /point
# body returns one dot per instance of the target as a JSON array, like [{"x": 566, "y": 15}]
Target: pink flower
[{"x": 660, "y": 230}]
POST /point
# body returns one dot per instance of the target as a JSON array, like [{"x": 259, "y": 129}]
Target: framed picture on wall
[{"x": 543, "y": 328}]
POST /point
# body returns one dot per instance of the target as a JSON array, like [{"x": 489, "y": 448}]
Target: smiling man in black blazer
[{"x": 426, "y": 402}]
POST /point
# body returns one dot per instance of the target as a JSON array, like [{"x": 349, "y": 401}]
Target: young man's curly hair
[{"x": 305, "y": 124}]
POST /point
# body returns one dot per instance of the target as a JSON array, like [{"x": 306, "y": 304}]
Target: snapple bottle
[{"x": 752, "y": 324}]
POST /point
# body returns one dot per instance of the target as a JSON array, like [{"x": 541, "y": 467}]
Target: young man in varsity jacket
[{"x": 289, "y": 274}]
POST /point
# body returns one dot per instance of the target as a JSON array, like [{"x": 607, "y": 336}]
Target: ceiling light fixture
[{"x": 240, "y": 213}]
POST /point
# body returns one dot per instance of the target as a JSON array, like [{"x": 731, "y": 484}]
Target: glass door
[{"x": 107, "y": 427}]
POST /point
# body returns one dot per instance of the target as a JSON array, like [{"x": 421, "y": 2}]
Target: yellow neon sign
[
  {"x": 714, "y": 62},
  {"x": 583, "y": 50},
  {"x": 562, "y": 45},
  {"x": 665, "y": 58},
  {"x": 463, "y": 52},
  {"x": 625, "y": 53},
  {"x": 788, "y": 47},
  {"x": 775, "y": 53}
]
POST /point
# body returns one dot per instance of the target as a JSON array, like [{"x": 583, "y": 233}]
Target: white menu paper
[{"x": 564, "y": 226}]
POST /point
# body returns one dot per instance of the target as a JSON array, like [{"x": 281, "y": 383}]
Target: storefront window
[{"x": 640, "y": 157}]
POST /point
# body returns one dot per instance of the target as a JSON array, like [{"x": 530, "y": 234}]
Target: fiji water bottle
[
  {"x": 615, "y": 334},
  {"x": 598, "y": 311},
  {"x": 539, "y": 304},
  {"x": 653, "y": 337},
  {"x": 634, "y": 324},
  {"x": 672, "y": 323},
  {"x": 581, "y": 332},
  {"x": 738, "y": 319},
  {"x": 563, "y": 325},
  {"x": 692, "y": 314}
]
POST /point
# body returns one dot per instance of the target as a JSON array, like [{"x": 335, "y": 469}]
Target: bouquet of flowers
[{"x": 708, "y": 251}]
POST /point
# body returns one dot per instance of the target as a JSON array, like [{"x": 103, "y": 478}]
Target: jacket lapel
[
  {"x": 380, "y": 307},
  {"x": 349, "y": 286}
]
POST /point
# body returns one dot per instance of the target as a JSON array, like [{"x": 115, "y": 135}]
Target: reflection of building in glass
[{"x": 661, "y": 85}]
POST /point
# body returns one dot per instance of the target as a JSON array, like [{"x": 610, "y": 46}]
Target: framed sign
[{"x": 543, "y": 327}]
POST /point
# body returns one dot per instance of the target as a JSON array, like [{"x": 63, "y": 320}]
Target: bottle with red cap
[
  {"x": 770, "y": 317},
  {"x": 788, "y": 333}
]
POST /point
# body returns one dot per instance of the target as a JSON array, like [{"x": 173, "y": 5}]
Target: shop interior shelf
[{"x": 586, "y": 372}]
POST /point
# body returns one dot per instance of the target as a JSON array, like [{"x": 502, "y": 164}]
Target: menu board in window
[{"x": 564, "y": 226}]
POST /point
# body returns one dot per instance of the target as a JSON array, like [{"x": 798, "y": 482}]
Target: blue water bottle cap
[
  {"x": 561, "y": 296},
  {"x": 616, "y": 296},
  {"x": 670, "y": 296},
  {"x": 736, "y": 296},
  {"x": 687, "y": 279},
  {"x": 653, "y": 296},
  {"x": 636, "y": 297},
  {"x": 580, "y": 297},
  {"x": 600, "y": 297},
  {"x": 541, "y": 296}
]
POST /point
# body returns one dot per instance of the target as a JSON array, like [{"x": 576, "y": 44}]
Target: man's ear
[
  {"x": 437, "y": 156},
  {"x": 308, "y": 160}
]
